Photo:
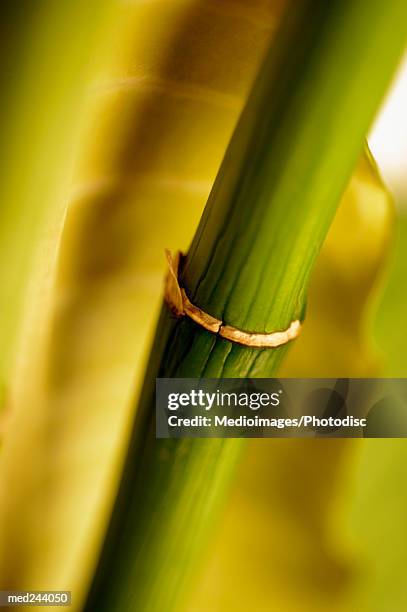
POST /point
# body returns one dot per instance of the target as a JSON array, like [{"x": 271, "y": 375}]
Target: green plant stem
[{"x": 249, "y": 264}]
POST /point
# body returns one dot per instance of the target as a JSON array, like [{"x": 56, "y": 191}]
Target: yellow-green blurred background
[{"x": 115, "y": 118}]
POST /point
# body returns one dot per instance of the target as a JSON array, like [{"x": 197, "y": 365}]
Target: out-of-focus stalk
[
  {"x": 249, "y": 265},
  {"x": 47, "y": 54}
]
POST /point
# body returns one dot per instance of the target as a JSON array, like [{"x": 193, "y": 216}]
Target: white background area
[{"x": 388, "y": 138}]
